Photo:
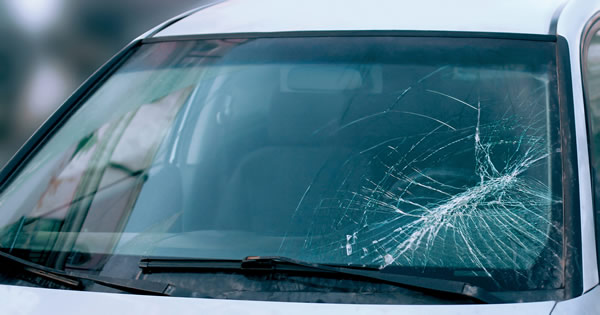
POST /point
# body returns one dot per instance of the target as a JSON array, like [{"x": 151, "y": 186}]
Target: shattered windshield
[{"x": 436, "y": 157}]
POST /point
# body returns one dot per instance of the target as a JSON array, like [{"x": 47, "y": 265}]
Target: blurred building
[{"x": 49, "y": 47}]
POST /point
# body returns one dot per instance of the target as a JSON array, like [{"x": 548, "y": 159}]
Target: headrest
[{"x": 297, "y": 118}]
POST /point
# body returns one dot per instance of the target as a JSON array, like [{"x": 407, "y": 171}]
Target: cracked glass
[{"x": 430, "y": 156}]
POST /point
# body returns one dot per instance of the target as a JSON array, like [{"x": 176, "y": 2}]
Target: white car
[{"x": 320, "y": 157}]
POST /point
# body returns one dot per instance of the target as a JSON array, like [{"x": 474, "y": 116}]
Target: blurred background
[{"x": 49, "y": 47}]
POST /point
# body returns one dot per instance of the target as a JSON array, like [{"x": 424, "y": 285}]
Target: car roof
[{"x": 258, "y": 16}]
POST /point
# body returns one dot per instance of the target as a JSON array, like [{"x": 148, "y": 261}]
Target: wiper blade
[
  {"x": 81, "y": 282},
  {"x": 279, "y": 263}
]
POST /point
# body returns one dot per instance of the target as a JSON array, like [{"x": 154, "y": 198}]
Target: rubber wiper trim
[
  {"x": 279, "y": 263},
  {"x": 78, "y": 281}
]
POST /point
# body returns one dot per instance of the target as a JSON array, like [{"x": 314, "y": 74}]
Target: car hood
[{"x": 27, "y": 300}]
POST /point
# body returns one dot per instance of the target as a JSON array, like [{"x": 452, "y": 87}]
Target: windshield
[{"x": 439, "y": 157}]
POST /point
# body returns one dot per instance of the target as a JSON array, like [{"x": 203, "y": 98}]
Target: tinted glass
[{"x": 439, "y": 157}]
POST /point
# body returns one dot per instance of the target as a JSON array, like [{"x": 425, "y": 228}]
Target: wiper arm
[
  {"x": 81, "y": 282},
  {"x": 279, "y": 263}
]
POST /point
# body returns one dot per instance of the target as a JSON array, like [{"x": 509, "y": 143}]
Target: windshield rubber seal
[
  {"x": 573, "y": 272},
  {"x": 361, "y": 33}
]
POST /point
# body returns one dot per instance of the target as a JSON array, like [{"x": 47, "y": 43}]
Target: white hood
[{"x": 25, "y": 300}]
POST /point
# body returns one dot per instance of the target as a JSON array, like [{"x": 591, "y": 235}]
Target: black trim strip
[
  {"x": 445, "y": 34},
  {"x": 573, "y": 272}
]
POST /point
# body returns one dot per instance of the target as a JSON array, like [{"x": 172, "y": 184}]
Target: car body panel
[
  {"x": 239, "y": 16},
  {"x": 586, "y": 304},
  {"x": 26, "y": 300},
  {"x": 247, "y": 16},
  {"x": 572, "y": 20}
]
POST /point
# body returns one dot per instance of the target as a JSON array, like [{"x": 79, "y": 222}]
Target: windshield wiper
[
  {"x": 82, "y": 282},
  {"x": 279, "y": 263}
]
